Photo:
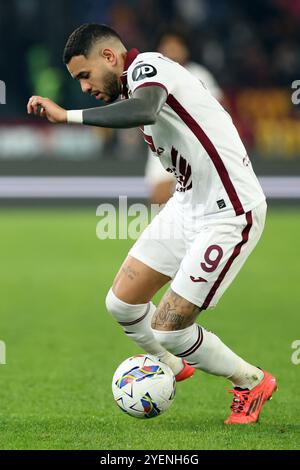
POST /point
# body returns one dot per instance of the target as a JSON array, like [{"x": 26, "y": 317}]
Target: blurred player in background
[
  {"x": 202, "y": 237},
  {"x": 173, "y": 44}
]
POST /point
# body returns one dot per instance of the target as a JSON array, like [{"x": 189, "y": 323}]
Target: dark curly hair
[{"x": 83, "y": 38}]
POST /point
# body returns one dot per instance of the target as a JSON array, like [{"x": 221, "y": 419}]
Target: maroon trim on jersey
[
  {"x": 210, "y": 149},
  {"x": 130, "y": 57},
  {"x": 149, "y": 140},
  {"x": 153, "y": 84},
  {"x": 195, "y": 346},
  {"x": 235, "y": 253}
]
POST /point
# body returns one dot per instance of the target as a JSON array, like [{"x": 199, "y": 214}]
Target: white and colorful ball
[{"x": 143, "y": 386}]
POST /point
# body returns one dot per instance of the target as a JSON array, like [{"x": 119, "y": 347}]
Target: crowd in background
[{"x": 244, "y": 44}]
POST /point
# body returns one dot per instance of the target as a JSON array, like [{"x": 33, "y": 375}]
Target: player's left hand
[{"x": 44, "y": 107}]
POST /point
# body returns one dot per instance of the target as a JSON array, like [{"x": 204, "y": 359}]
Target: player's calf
[
  {"x": 174, "y": 313},
  {"x": 174, "y": 328},
  {"x": 135, "y": 319}
]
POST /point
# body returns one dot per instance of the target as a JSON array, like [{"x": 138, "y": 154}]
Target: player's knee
[
  {"x": 127, "y": 314},
  {"x": 114, "y": 305},
  {"x": 122, "y": 311}
]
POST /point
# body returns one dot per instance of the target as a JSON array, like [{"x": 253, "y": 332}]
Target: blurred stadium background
[
  {"x": 250, "y": 47},
  {"x": 55, "y": 273}
]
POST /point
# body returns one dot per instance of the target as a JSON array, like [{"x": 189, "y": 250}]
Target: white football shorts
[{"x": 202, "y": 263}]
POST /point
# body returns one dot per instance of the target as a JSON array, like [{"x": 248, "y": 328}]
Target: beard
[{"x": 112, "y": 87}]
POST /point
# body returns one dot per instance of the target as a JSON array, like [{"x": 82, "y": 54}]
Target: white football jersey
[
  {"x": 154, "y": 171},
  {"x": 195, "y": 139},
  {"x": 206, "y": 77}
]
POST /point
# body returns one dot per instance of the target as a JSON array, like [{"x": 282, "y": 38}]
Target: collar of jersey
[{"x": 130, "y": 57}]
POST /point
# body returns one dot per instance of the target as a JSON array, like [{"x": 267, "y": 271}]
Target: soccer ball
[{"x": 143, "y": 386}]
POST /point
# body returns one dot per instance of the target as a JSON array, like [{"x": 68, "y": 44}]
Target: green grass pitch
[{"x": 63, "y": 347}]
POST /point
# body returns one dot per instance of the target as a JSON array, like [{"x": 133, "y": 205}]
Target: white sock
[
  {"x": 136, "y": 323},
  {"x": 205, "y": 351},
  {"x": 246, "y": 375}
]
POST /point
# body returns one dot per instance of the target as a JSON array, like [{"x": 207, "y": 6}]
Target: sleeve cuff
[{"x": 75, "y": 117}]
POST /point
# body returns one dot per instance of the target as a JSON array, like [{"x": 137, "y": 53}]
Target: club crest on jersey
[
  {"x": 143, "y": 71},
  {"x": 182, "y": 171}
]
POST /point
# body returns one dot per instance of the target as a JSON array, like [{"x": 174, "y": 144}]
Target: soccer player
[
  {"x": 204, "y": 234},
  {"x": 173, "y": 44}
]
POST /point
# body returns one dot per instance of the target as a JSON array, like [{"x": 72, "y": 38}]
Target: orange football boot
[
  {"x": 186, "y": 372},
  {"x": 247, "y": 404}
]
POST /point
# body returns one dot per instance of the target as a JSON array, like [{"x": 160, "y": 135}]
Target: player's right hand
[{"x": 45, "y": 107}]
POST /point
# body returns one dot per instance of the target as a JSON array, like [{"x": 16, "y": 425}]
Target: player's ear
[{"x": 109, "y": 56}]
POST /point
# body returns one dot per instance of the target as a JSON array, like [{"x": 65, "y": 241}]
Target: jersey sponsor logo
[{"x": 143, "y": 71}]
